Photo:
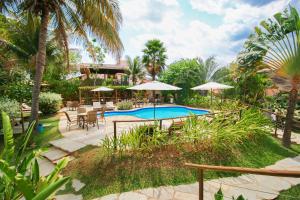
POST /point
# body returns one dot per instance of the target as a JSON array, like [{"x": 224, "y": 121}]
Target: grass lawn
[
  {"x": 41, "y": 139},
  {"x": 51, "y": 131},
  {"x": 105, "y": 175},
  {"x": 292, "y": 193}
]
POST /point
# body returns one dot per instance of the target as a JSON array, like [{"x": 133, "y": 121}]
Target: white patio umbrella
[
  {"x": 102, "y": 89},
  {"x": 212, "y": 86},
  {"x": 154, "y": 86}
]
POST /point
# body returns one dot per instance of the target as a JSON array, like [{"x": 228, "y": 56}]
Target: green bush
[
  {"x": 143, "y": 137},
  {"x": 10, "y": 106},
  {"x": 198, "y": 101},
  {"x": 67, "y": 88},
  {"x": 50, "y": 102},
  {"x": 20, "y": 177},
  {"x": 221, "y": 137},
  {"x": 125, "y": 105}
]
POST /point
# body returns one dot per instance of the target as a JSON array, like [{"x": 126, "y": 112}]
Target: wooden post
[
  {"x": 160, "y": 124},
  {"x": 276, "y": 124},
  {"x": 116, "y": 95},
  {"x": 22, "y": 118},
  {"x": 79, "y": 96},
  {"x": 115, "y": 135},
  {"x": 201, "y": 184}
]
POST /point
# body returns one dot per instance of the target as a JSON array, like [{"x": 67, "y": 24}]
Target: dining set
[{"x": 85, "y": 118}]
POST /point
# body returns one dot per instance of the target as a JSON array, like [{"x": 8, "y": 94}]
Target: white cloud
[
  {"x": 210, "y": 6},
  {"x": 165, "y": 20}
]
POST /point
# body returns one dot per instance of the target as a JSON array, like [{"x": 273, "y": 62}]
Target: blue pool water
[{"x": 160, "y": 112}]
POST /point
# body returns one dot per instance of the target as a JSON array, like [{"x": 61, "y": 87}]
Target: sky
[{"x": 192, "y": 28}]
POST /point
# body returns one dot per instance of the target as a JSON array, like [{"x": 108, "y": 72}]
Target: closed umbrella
[
  {"x": 102, "y": 89},
  {"x": 154, "y": 86},
  {"x": 212, "y": 86}
]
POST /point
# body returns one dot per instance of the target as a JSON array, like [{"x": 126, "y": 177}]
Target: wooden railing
[{"x": 243, "y": 170}]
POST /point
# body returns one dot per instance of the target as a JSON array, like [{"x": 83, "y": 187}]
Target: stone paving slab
[
  {"x": 67, "y": 145},
  {"x": 46, "y": 167},
  {"x": 77, "y": 185},
  {"x": 132, "y": 196},
  {"x": 68, "y": 197},
  {"x": 54, "y": 154}
]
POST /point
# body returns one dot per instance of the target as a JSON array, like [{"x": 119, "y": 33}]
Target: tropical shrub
[
  {"x": 10, "y": 106},
  {"x": 220, "y": 136},
  {"x": 50, "y": 102},
  {"x": 143, "y": 137},
  {"x": 20, "y": 177},
  {"x": 226, "y": 131},
  {"x": 67, "y": 88},
  {"x": 198, "y": 101},
  {"x": 125, "y": 105}
]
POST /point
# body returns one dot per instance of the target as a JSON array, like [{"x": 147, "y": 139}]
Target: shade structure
[
  {"x": 101, "y": 89},
  {"x": 212, "y": 86},
  {"x": 154, "y": 86}
]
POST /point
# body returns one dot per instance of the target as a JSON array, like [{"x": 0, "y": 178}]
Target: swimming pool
[{"x": 160, "y": 112}]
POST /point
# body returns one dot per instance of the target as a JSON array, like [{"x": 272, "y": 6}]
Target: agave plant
[{"x": 20, "y": 177}]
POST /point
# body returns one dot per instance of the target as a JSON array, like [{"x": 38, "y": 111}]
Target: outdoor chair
[
  {"x": 25, "y": 107},
  {"x": 175, "y": 126},
  {"x": 146, "y": 101},
  {"x": 110, "y": 105},
  {"x": 91, "y": 118},
  {"x": 80, "y": 110},
  {"x": 70, "y": 121},
  {"x": 72, "y": 105},
  {"x": 96, "y": 105},
  {"x": 102, "y": 116}
]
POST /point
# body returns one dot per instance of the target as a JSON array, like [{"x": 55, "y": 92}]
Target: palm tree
[
  {"x": 20, "y": 42},
  {"x": 73, "y": 17},
  {"x": 277, "y": 43},
  {"x": 154, "y": 57},
  {"x": 208, "y": 68},
  {"x": 135, "y": 69}
]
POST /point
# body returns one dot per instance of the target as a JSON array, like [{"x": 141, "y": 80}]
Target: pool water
[{"x": 160, "y": 112}]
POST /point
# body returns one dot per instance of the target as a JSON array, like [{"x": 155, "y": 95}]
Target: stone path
[
  {"x": 252, "y": 187},
  {"x": 47, "y": 164},
  {"x": 295, "y": 138}
]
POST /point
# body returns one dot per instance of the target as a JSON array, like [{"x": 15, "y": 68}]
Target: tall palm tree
[
  {"x": 135, "y": 69},
  {"x": 73, "y": 17},
  {"x": 20, "y": 42},
  {"x": 154, "y": 57},
  {"x": 277, "y": 43}
]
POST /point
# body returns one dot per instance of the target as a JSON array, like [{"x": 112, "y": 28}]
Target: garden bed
[{"x": 105, "y": 172}]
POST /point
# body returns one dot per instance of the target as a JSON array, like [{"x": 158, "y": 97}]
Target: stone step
[
  {"x": 46, "y": 167},
  {"x": 54, "y": 154},
  {"x": 77, "y": 184},
  {"x": 68, "y": 197},
  {"x": 70, "y": 159},
  {"x": 67, "y": 145}
]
